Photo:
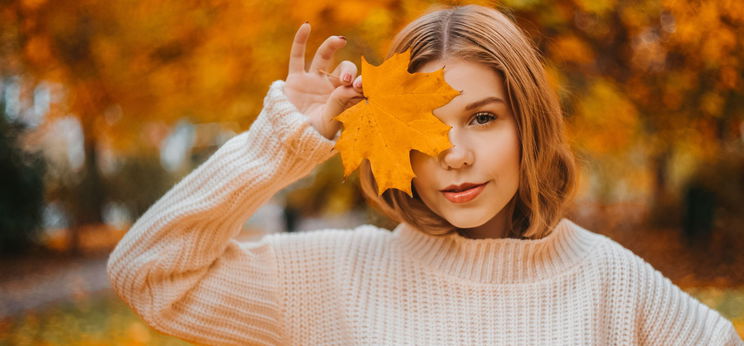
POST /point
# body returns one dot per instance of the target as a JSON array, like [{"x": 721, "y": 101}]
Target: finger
[
  {"x": 340, "y": 99},
  {"x": 344, "y": 74},
  {"x": 297, "y": 53},
  {"x": 324, "y": 55},
  {"x": 357, "y": 85}
]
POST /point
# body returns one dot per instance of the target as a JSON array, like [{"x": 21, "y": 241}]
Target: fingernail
[
  {"x": 342, "y": 37},
  {"x": 357, "y": 83},
  {"x": 347, "y": 77}
]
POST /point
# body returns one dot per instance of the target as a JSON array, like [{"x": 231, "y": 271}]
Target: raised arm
[{"x": 179, "y": 266}]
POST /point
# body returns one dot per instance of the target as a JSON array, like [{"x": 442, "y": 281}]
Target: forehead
[{"x": 475, "y": 80}]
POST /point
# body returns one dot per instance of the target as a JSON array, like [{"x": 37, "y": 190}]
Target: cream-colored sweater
[{"x": 180, "y": 269}]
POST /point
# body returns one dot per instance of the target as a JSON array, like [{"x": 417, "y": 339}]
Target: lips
[
  {"x": 463, "y": 193},
  {"x": 461, "y": 187}
]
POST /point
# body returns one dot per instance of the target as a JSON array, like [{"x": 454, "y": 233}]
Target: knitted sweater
[{"x": 181, "y": 269}]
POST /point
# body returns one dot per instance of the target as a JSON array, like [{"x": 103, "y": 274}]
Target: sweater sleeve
[
  {"x": 673, "y": 317},
  {"x": 180, "y": 268}
]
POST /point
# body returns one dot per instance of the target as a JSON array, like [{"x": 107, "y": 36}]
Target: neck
[{"x": 497, "y": 227}]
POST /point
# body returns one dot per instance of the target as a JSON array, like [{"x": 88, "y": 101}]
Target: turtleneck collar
[{"x": 498, "y": 260}]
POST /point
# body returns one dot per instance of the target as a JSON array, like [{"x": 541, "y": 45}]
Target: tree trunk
[
  {"x": 660, "y": 176},
  {"x": 91, "y": 194},
  {"x": 663, "y": 210}
]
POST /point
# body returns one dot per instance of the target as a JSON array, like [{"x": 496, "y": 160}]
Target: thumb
[{"x": 340, "y": 99}]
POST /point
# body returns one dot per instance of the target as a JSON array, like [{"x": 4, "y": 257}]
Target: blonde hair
[{"x": 547, "y": 169}]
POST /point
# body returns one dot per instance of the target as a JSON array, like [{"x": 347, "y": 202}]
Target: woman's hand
[{"x": 316, "y": 93}]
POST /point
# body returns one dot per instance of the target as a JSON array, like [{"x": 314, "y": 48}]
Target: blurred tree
[
  {"x": 664, "y": 74},
  {"x": 129, "y": 69},
  {"x": 137, "y": 183},
  {"x": 22, "y": 186},
  {"x": 714, "y": 197}
]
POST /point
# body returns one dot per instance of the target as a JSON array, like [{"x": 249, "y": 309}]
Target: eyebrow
[{"x": 487, "y": 100}]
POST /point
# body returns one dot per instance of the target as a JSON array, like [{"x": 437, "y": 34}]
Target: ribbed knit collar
[{"x": 498, "y": 260}]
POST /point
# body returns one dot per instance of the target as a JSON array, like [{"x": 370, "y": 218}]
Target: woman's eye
[{"x": 483, "y": 118}]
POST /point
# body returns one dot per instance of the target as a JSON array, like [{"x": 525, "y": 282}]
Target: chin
[{"x": 466, "y": 220}]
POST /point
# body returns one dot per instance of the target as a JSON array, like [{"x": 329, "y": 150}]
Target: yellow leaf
[{"x": 395, "y": 118}]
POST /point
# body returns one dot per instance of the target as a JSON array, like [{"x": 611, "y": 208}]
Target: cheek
[
  {"x": 423, "y": 167},
  {"x": 502, "y": 160},
  {"x": 417, "y": 164}
]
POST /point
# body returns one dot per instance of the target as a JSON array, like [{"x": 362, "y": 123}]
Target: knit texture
[{"x": 181, "y": 270}]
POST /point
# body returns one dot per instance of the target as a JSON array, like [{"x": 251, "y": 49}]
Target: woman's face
[{"x": 485, "y": 152}]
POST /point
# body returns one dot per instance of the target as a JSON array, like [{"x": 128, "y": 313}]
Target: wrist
[{"x": 328, "y": 129}]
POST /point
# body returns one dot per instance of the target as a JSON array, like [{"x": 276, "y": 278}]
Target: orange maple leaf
[{"x": 395, "y": 118}]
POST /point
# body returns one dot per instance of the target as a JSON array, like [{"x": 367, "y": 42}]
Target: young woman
[{"x": 481, "y": 254}]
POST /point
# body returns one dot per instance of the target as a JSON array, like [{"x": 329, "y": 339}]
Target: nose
[{"x": 459, "y": 156}]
